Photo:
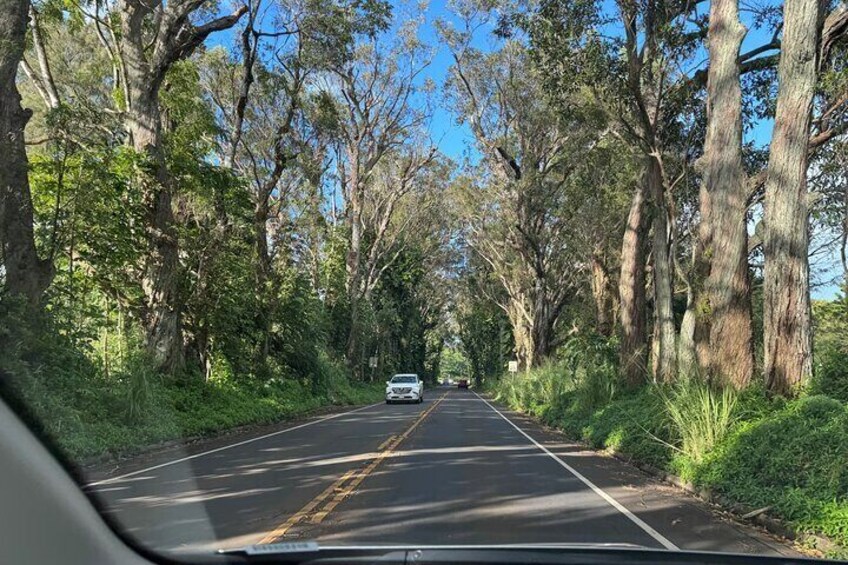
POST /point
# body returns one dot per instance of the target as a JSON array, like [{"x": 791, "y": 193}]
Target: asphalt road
[{"x": 453, "y": 470}]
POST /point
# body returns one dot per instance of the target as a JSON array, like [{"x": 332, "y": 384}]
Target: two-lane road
[{"x": 453, "y": 470}]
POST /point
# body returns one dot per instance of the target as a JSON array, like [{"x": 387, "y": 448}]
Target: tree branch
[
  {"x": 47, "y": 81},
  {"x": 188, "y": 38}
]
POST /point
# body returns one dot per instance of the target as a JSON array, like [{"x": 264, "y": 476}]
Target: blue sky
[{"x": 454, "y": 139}]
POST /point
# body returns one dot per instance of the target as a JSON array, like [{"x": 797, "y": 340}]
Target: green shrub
[
  {"x": 89, "y": 412},
  {"x": 634, "y": 424},
  {"x": 755, "y": 449},
  {"x": 831, "y": 374},
  {"x": 793, "y": 460}
]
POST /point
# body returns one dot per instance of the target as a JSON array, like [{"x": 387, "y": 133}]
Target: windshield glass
[
  {"x": 608, "y": 240},
  {"x": 404, "y": 379}
]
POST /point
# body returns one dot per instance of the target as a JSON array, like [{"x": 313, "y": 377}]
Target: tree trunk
[
  {"x": 250, "y": 48},
  {"x": 521, "y": 335},
  {"x": 724, "y": 310},
  {"x": 604, "y": 307},
  {"x": 26, "y": 274},
  {"x": 542, "y": 330},
  {"x": 786, "y": 288},
  {"x": 262, "y": 276},
  {"x": 163, "y": 308},
  {"x": 631, "y": 291},
  {"x": 687, "y": 360},
  {"x": 665, "y": 358},
  {"x": 46, "y": 81},
  {"x": 353, "y": 266}
]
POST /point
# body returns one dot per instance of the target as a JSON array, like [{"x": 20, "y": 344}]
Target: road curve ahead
[{"x": 456, "y": 469}]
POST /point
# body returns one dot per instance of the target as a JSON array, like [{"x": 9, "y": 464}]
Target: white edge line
[
  {"x": 217, "y": 449},
  {"x": 613, "y": 502}
]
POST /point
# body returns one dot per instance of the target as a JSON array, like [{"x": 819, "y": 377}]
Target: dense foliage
[{"x": 239, "y": 301}]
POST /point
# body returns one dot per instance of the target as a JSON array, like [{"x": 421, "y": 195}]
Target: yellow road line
[
  {"x": 281, "y": 530},
  {"x": 385, "y": 450},
  {"x": 391, "y": 445},
  {"x": 383, "y": 445}
]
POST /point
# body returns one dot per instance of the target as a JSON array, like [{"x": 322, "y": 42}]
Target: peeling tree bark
[
  {"x": 786, "y": 289},
  {"x": 723, "y": 331},
  {"x": 631, "y": 291},
  {"x": 26, "y": 274}
]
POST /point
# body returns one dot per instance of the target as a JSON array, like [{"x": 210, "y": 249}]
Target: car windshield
[
  {"x": 468, "y": 272},
  {"x": 404, "y": 379}
]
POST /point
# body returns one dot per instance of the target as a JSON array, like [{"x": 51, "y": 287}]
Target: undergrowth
[{"x": 88, "y": 411}]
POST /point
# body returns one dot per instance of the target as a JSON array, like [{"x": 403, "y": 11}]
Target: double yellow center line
[{"x": 345, "y": 485}]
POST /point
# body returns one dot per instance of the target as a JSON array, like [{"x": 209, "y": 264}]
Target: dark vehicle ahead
[{"x": 463, "y": 383}]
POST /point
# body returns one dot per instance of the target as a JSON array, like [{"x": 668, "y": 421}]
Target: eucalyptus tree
[
  {"x": 635, "y": 75},
  {"x": 807, "y": 44},
  {"x": 382, "y": 115},
  {"x": 524, "y": 209},
  {"x": 786, "y": 292},
  {"x": 143, "y": 41}
]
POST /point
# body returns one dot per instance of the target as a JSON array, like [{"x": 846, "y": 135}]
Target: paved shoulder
[{"x": 684, "y": 520}]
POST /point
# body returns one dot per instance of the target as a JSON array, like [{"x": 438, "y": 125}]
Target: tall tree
[
  {"x": 26, "y": 274},
  {"x": 150, "y": 38},
  {"x": 633, "y": 78},
  {"x": 379, "y": 121},
  {"x": 786, "y": 290},
  {"x": 524, "y": 212},
  {"x": 723, "y": 329}
]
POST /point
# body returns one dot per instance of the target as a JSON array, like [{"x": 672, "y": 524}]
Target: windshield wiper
[{"x": 297, "y": 551}]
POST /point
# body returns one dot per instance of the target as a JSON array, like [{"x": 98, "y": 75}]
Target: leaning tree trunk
[
  {"x": 724, "y": 310},
  {"x": 631, "y": 291},
  {"x": 665, "y": 357},
  {"x": 26, "y": 274},
  {"x": 786, "y": 288}
]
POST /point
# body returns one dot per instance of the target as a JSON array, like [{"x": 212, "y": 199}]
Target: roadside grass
[
  {"x": 790, "y": 456},
  {"x": 90, "y": 413}
]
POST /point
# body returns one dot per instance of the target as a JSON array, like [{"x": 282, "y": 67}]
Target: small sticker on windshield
[{"x": 286, "y": 547}]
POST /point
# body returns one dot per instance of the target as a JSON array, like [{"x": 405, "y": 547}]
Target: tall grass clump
[
  {"x": 138, "y": 380},
  {"x": 536, "y": 390},
  {"x": 584, "y": 378},
  {"x": 701, "y": 415}
]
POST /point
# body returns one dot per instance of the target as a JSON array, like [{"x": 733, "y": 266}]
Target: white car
[{"x": 404, "y": 387}]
